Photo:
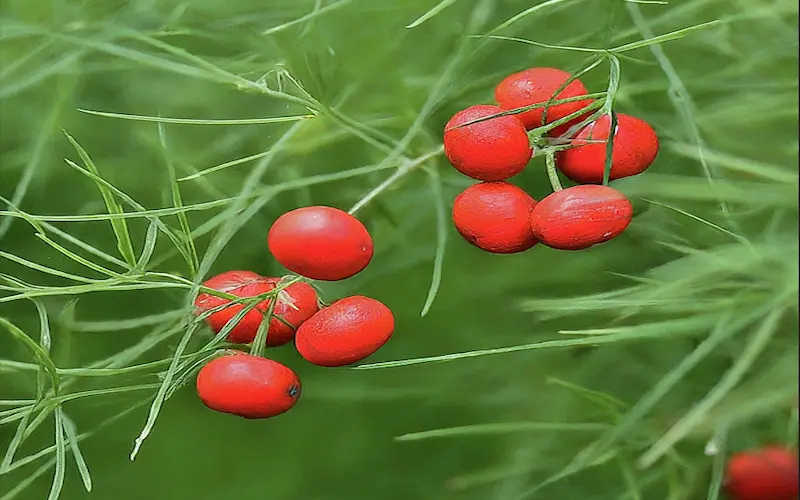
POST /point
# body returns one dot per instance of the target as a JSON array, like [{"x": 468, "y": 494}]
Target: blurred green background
[{"x": 723, "y": 100}]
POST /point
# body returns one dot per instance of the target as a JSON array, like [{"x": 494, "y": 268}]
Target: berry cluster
[
  {"x": 317, "y": 243},
  {"x": 492, "y": 144}
]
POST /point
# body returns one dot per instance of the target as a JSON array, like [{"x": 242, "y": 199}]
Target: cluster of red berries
[
  {"x": 499, "y": 217},
  {"x": 317, "y": 243},
  {"x": 768, "y": 473},
  {"x": 325, "y": 243}
]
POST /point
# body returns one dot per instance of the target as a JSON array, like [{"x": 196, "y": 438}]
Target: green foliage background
[{"x": 710, "y": 259}]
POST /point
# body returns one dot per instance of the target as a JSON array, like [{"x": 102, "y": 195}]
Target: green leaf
[
  {"x": 504, "y": 428},
  {"x": 80, "y": 462},
  {"x": 185, "y": 244},
  {"x": 441, "y": 239},
  {"x": 526, "y": 13},
  {"x": 120, "y": 226},
  {"x": 61, "y": 457},
  {"x": 16, "y": 441},
  {"x": 313, "y": 14},
  {"x": 192, "y": 121},
  {"x": 161, "y": 394},
  {"x": 431, "y": 13},
  {"x": 595, "y": 336},
  {"x": 674, "y": 35},
  {"x": 39, "y": 353}
]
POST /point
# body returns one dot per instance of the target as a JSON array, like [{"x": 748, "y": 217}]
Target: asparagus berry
[
  {"x": 539, "y": 85},
  {"x": 581, "y": 216},
  {"x": 491, "y": 150},
  {"x": 634, "y": 149},
  {"x": 495, "y": 216},
  {"x": 320, "y": 242},
  {"x": 247, "y": 386},
  {"x": 347, "y": 331}
]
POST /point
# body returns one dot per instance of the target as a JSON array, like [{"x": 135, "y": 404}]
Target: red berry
[
  {"x": 495, "y": 216},
  {"x": 347, "y": 331},
  {"x": 581, "y": 216},
  {"x": 768, "y": 473},
  {"x": 635, "y": 148},
  {"x": 492, "y": 150},
  {"x": 320, "y": 242},
  {"x": 249, "y": 284},
  {"x": 538, "y": 85},
  {"x": 248, "y": 386}
]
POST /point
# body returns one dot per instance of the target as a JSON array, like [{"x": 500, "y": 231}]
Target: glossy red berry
[
  {"x": 296, "y": 303},
  {"x": 635, "y": 148},
  {"x": 248, "y": 386},
  {"x": 320, "y": 242},
  {"x": 581, "y": 216},
  {"x": 491, "y": 150},
  {"x": 538, "y": 85},
  {"x": 347, "y": 331},
  {"x": 495, "y": 216},
  {"x": 769, "y": 473}
]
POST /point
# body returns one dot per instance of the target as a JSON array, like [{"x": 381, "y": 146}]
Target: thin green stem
[{"x": 552, "y": 172}]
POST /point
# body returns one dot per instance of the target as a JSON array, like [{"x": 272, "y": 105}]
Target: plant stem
[{"x": 552, "y": 174}]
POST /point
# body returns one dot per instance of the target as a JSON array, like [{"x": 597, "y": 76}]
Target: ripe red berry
[
  {"x": 320, "y": 242},
  {"x": 347, "y": 331},
  {"x": 296, "y": 303},
  {"x": 538, "y": 85},
  {"x": 635, "y": 148},
  {"x": 248, "y": 386},
  {"x": 495, "y": 216},
  {"x": 768, "y": 473},
  {"x": 492, "y": 150},
  {"x": 581, "y": 216}
]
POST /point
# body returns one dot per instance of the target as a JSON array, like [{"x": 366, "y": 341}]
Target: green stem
[
  {"x": 260, "y": 341},
  {"x": 552, "y": 174},
  {"x": 612, "y": 132},
  {"x": 575, "y": 114}
]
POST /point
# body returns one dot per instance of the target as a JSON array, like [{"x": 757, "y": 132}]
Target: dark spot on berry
[{"x": 294, "y": 391}]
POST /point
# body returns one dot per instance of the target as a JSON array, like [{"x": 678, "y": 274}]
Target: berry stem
[
  {"x": 550, "y": 102},
  {"x": 552, "y": 174},
  {"x": 610, "y": 147},
  {"x": 260, "y": 342},
  {"x": 575, "y": 114},
  {"x": 613, "y": 84},
  {"x": 529, "y": 107}
]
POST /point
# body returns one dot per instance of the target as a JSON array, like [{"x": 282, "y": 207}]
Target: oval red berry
[
  {"x": 320, "y": 242},
  {"x": 492, "y": 150},
  {"x": 347, "y": 331},
  {"x": 538, "y": 85},
  {"x": 581, "y": 216},
  {"x": 296, "y": 303},
  {"x": 495, "y": 216},
  {"x": 634, "y": 150},
  {"x": 769, "y": 473},
  {"x": 248, "y": 386}
]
